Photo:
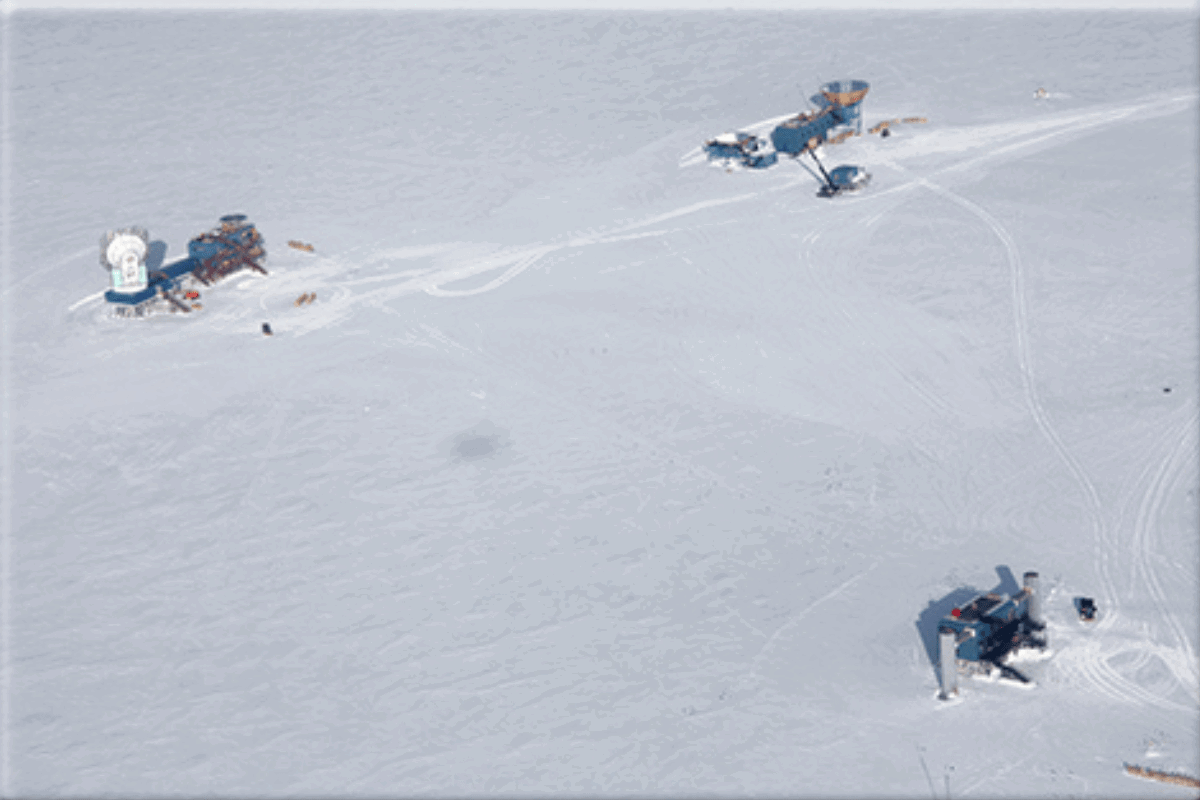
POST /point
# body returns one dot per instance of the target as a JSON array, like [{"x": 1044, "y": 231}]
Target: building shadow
[
  {"x": 927, "y": 621},
  {"x": 156, "y": 254},
  {"x": 1008, "y": 584}
]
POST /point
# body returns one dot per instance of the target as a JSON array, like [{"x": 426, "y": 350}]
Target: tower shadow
[
  {"x": 1008, "y": 584},
  {"x": 156, "y": 254}
]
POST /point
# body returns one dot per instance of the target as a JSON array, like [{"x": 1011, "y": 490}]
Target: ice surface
[{"x": 595, "y": 469}]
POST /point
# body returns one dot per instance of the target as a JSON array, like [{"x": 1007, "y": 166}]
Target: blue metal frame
[
  {"x": 989, "y": 625},
  {"x": 234, "y": 234},
  {"x": 166, "y": 278},
  {"x": 844, "y": 108}
]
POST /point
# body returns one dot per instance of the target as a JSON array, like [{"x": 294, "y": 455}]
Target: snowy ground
[{"x": 596, "y": 469}]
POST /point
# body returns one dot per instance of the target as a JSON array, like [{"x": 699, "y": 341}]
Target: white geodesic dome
[{"x": 123, "y": 253}]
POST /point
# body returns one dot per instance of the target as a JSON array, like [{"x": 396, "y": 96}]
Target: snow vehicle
[
  {"x": 977, "y": 638},
  {"x": 1086, "y": 608}
]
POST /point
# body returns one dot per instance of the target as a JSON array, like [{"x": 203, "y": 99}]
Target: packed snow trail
[
  {"x": 1090, "y": 661},
  {"x": 1182, "y": 661},
  {"x": 517, "y": 261},
  {"x": 1025, "y": 364}
]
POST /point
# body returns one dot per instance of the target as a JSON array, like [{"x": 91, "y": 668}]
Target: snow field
[{"x": 595, "y": 469}]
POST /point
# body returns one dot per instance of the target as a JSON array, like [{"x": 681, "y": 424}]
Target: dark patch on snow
[
  {"x": 475, "y": 447},
  {"x": 482, "y": 441}
]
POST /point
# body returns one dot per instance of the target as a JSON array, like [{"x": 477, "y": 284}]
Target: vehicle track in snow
[
  {"x": 455, "y": 262},
  {"x": 1023, "y": 348},
  {"x": 329, "y": 272},
  {"x": 517, "y": 260},
  {"x": 1090, "y": 660},
  {"x": 1181, "y": 661},
  {"x": 1093, "y": 665}
]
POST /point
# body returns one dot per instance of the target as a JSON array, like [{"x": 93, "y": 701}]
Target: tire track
[
  {"x": 1088, "y": 657},
  {"x": 1077, "y": 125},
  {"x": 1176, "y": 422},
  {"x": 1028, "y": 380},
  {"x": 1170, "y": 471},
  {"x": 1092, "y": 664},
  {"x": 512, "y": 272}
]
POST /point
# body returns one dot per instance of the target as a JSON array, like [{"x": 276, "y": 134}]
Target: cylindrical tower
[
  {"x": 1035, "y": 602},
  {"x": 948, "y": 662},
  {"x": 846, "y": 97}
]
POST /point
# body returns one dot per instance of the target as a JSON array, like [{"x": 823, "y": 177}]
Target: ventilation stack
[
  {"x": 948, "y": 662},
  {"x": 1034, "y": 609}
]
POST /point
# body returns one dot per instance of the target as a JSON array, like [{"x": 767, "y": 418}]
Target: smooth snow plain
[{"x": 597, "y": 469}]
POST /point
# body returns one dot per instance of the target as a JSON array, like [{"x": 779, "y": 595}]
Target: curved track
[
  {"x": 1093, "y": 660},
  {"x": 1180, "y": 659}
]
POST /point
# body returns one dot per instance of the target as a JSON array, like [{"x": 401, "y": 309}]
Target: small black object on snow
[
  {"x": 1166, "y": 390},
  {"x": 1086, "y": 608},
  {"x": 267, "y": 329},
  {"x": 885, "y": 133}
]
